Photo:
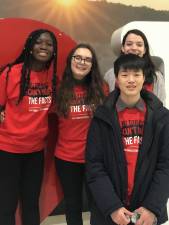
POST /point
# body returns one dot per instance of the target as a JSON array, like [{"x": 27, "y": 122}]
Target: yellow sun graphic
[{"x": 67, "y": 3}]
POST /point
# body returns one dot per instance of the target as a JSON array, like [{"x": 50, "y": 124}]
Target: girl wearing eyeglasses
[{"x": 81, "y": 91}]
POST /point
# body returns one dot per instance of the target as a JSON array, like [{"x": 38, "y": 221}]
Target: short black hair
[{"x": 129, "y": 61}]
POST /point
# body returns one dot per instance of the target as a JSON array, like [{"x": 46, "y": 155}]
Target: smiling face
[
  {"x": 43, "y": 48},
  {"x": 134, "y": 44},
  {"x": 130, "y": 82},
  {"x": 81, "y": 63}
]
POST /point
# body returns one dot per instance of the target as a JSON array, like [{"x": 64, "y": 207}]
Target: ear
[
  {"x": 122, "y": 48},
  {"x": 144, "y": 78},
  {"x": 144, "y": 51},
  {"x": 116, "y": 81}
]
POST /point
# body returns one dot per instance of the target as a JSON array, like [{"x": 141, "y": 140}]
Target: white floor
[{"x": 60, "y": 220}]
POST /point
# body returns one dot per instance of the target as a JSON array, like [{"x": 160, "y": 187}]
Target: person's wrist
[{"x": 155, "y": 220}]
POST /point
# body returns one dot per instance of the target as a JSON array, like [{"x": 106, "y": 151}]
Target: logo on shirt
[
  {"x": 132, "y": 132},
  {"x": 78, "y": 108},
  {"x": 39, "y": 97}
]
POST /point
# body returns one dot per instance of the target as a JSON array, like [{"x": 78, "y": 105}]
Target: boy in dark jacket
[{"x": 127, "y": 157}]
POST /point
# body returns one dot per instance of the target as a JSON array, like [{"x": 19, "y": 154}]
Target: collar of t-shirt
[{"x": 120, "y": 105}]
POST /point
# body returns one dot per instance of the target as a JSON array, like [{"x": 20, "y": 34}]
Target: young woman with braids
[
  {"x": 81, "y": 91},
  {"x": 28, "y": 88}
]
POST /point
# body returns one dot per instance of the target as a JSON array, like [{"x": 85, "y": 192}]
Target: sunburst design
[
  {"x": 67, "y": 3},
  {"x": 72, "y": 18}
]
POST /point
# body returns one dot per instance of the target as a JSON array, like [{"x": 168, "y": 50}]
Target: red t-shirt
[
  {"x": 148, "y": 87},
  {"x": 26, "y": 124},
  {"x": 132, "y": 127},
  {"x": 73, "y": 129}
]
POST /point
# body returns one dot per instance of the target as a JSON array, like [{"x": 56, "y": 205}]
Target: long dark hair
[
  {"x": 26, "y": 58},
  {"x": 150, "y": 74},
  {"x": 93, "y": 83}
]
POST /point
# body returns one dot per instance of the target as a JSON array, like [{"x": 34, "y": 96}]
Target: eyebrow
[
  {"x": 140, "y": 42},
  {"x": 86, "y": 57}
]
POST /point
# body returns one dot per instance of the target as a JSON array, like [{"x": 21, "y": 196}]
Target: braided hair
[{"x": 26, "y": 58}]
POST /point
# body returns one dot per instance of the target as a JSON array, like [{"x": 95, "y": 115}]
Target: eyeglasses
[{"x": 79, "y": 59}]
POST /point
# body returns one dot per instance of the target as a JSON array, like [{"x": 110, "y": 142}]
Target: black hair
[
  {"x": 150, "y": 74},
  {"x": 93, "y": 83},
  {"x": 26, "y": 58},
  {"x": 129, "y": 61}
]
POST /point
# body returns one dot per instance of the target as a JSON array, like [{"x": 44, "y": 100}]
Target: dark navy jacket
[{"x": 106, "y": 169}]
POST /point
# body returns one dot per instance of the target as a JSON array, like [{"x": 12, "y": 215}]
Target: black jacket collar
[{"x": 108, "y": 109}]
